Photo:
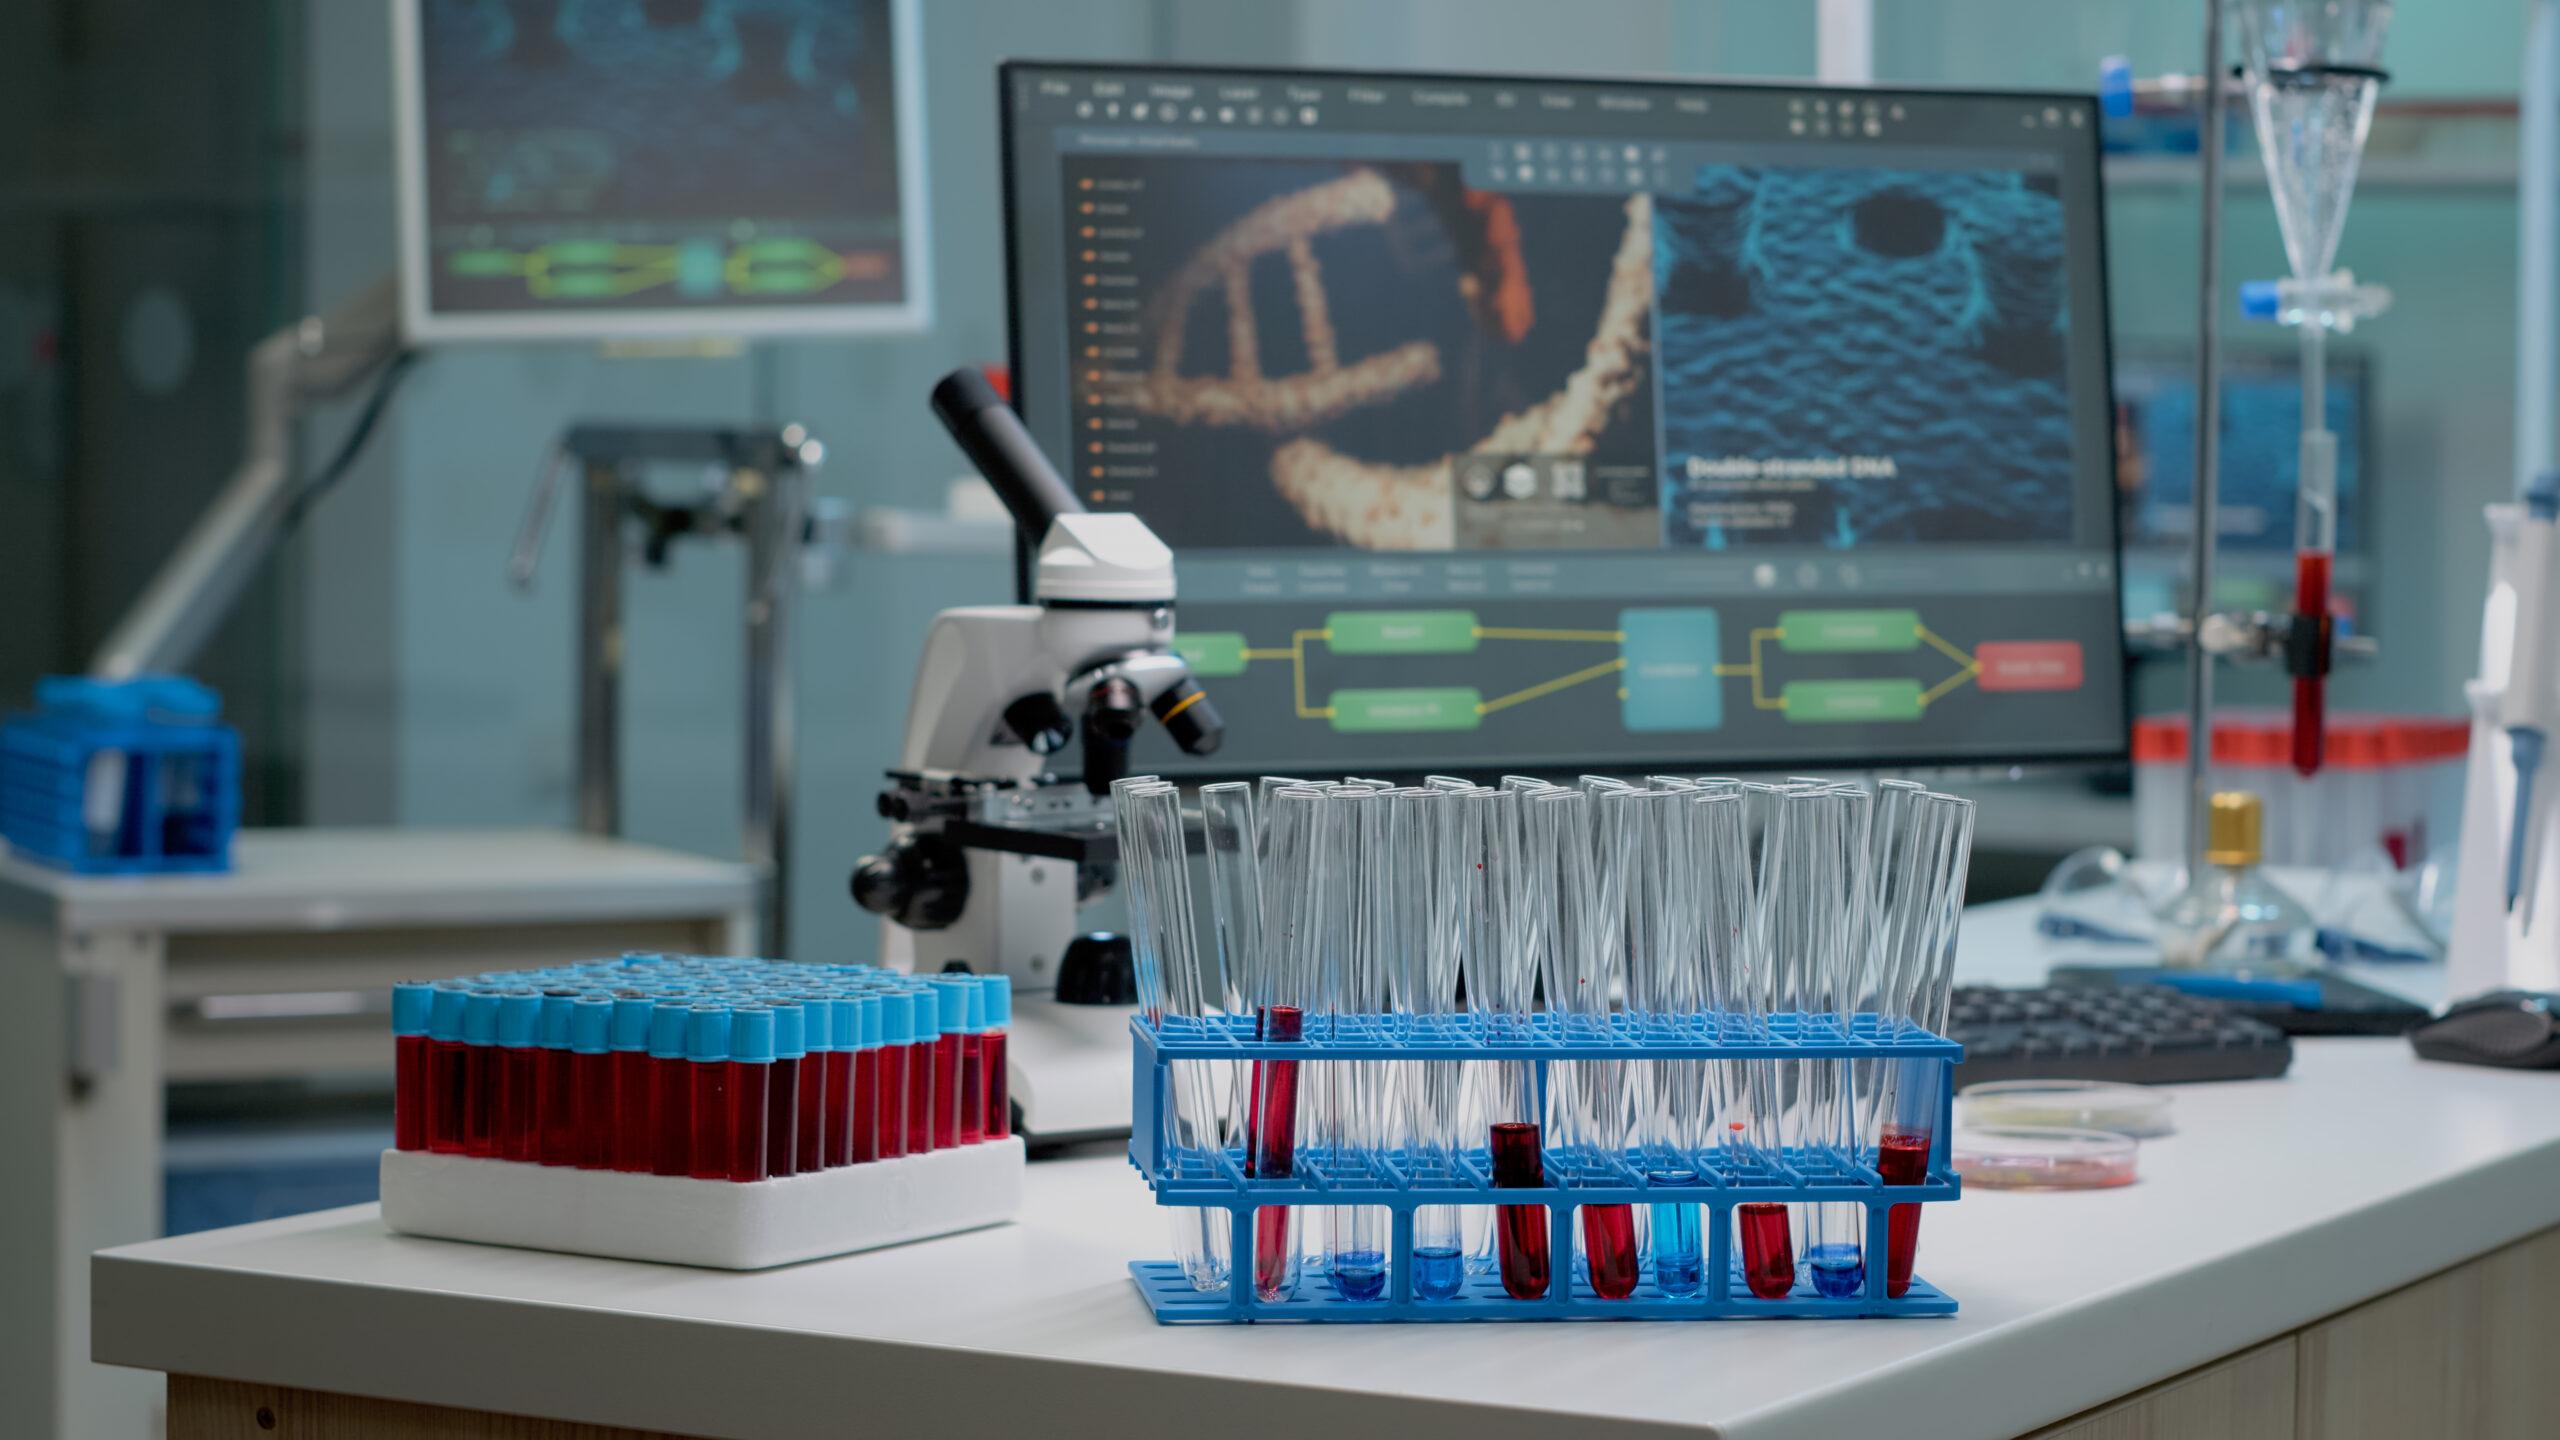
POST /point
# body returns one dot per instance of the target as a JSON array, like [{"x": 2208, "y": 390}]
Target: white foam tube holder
[{"x": 718, "y": 1224}]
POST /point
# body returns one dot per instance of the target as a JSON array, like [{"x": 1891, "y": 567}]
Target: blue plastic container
[
  {"x": 1216, "y": 1179},
  {"x": 131, "y": 777}
]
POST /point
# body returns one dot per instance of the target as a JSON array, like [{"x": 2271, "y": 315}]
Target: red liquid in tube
[
  {"x": 751, "y": 1088},
  {"x": 634, "y": 1131},
  {"x": 1901, "y": 1159},
  {"x": 999, "y": 1088},
  {"x": 920, "y": 1137},
  {"x": 597, "y": 1118},
  {"x": 1609, "y": 1241},
  {"x": 556, "y": 1107},
  {"x": 867, "y": 1107},
  {"x": 1271, "y": 1135},
  {"x": 892, "y": 1093},
  {"x": 519, "y": 1103},
  {"x": 708, "y": 1146},
  {"x": 1520, "y": 1230},
  {"x": 973, "y": 1089},
  {"x": 409, "y": 1092},
  {"x": 671, "y": 1112},
  {"x": 946, "y": 1091},
  {"x": 836, "y": 1110},
  {"x": 480, "y": 1100},
  {"x": 446, "y": 1093},
  {"x": 2310, "y": 600},
  {"x": 1768, "y": 1249}
]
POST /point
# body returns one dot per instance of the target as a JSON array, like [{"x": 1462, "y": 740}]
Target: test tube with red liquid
[
  {"x": 921, "y": 1136},
  {"x": 634, "y": 1084},
  {"x": 447, "y": 1068},
  {"x": 555, "y": 1100},
  {"x": 706, "y": 1067},
  {"x": 951, "y": 1008},
  {"x": 1272, "y": 1148},
  {"x": 1513, "y": 1146},
  {"x": 480, "y": 1074},
  {"x": 795, "y": 1070},
  {"x": 897, "y": 1019},
  {"x": 751, "y": 1077},
  {"x": 863, "y": 1096},
  {"x": 670, "y": 1090},
  {"x": 991, "y": 1058},
  {"x": 812, "y": 1109},
  {"x": 594, "y": 1118},
  {"x": 412, "y": 1007}
]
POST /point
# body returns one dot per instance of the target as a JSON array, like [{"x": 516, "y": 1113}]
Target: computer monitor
[
  {"x": 2260, "y": 474},
  {"x": 588, "y": 169},
  {"x": 1507, "y": 423}
]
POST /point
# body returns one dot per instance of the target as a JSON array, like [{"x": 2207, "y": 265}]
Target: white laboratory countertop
[
  {"x": 328, "y": 879},
  {"x": 2278, "y": 1202}
]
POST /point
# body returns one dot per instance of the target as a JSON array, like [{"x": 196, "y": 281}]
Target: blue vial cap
[
  {"x": 631, "y": 1022},
  {"x": 818, "y": 1029},
  {"x": 556, "y": 1008},
  {"x": 591, "y": 1024},
  {"x": 751, "y": 1034},
  {"x": 707, "y": 1033},
  {"x": 790, "y": 1029},
  {"x": 412, "y": 1004},
  {"x": 2115, "y": 86},
  {"x": 897, "y": 1017},
  {"x": 2259, "y": 299},
  {"x": 951, "y": 1003},
  {"x": 480, "y": 1018},
  {"x": 519, "y": 1020},
  {"x": 667, "y": 1031},
  {"x": 444, "y": 1016},
  {"x": 855, "y": 1019},
  {"x": 999, "y": 990},
  {"x": 2542, "y": 497}
]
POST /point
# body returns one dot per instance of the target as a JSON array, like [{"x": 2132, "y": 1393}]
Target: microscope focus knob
[
  {"x": 921, "y": 881},
  {"x": 1039, "y": 722},
  {"x": 1098, "y": 969}
]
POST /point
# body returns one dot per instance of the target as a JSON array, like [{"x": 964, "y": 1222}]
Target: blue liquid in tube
[
  {"x": 1439, "y": 1272},
  {"x": 1360, "y": 1274},
  {"x": 1839, "y": 1271},
  {"x": 1679, "y": 1264}
]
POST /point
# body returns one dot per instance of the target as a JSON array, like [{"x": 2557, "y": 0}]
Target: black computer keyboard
[{"x": 2141, "y": 1035}]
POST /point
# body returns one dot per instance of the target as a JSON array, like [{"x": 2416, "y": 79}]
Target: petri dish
[
  {"x": 2140, "y": 1111},
  {"x": 2043, "y": 1157}
]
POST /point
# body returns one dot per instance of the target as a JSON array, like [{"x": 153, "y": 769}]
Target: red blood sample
[
  {"x": 480, "y": 1100},
  {"x": 999, "y": 1088},
  {"x": 634, "y": 1133},
  {"x": 409, "y": 1092},
  {"x": 1271, "y": 1135},
  {"x": 973, "y": 1089},
  {"x": 708, "y": 1153},
  {"x": 671, "y": 1112},
  {"x": 809, "y": 1114},
  {"x": 1768, "y": 1251},
  {"x": 864, "y": 1098},
  {"x": 446, "y": 1092},
  {"x": 920, "y": 1135},
  {"x": 1609, "y": 1240},
  {"x": 946, "y": 1091},
  {"x": 519, "y": 1103},
  {"x": 2310, "y": 600},
  {"x": 839, "y": 1120},
  {"x": 892, "y": 1095},
  {"x": 750, "y": 1097},
  {"x": 781, "y": 1124},
  {"x": 1520, "y": 1229},
  {"x": 1902, "y": 1158},
  {"x": 597, "y": 1109},
  {"x": 556, "y": 1107}
]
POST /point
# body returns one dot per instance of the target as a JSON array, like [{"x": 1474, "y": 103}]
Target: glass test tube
[
  {"x": 789, "y": 1069},
  {"x": 1506, "y": 917},
  {"x": 991, "y": 1050},
  {"x": 1578, "y": 945},
  {"x": 635, "y": 1132},
  {"x": 594, "y": 1117},
  {"x": 555, "y": 1083},
  {"x": 707, "y": 1087},
  {"x": 671, "y": 1086},
  {"x": 1281, "y": 995},
  {"x": 1359, "y": 917},
  {"x": 1941, "y": 853},
  {"x": 1171, "y": 989},
  {"x": 412, "y": 1006},
  {"x": 1756, "y": 1136},
  {"x": 1426, "y": 834}
]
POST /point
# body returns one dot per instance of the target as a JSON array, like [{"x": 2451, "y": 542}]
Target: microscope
[{"x": 990, "y": 852}]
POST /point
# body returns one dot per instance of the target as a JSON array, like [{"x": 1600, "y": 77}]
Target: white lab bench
[
  {"x": 2248, "y": 1260},
  {"x": 111, "y": 988}
]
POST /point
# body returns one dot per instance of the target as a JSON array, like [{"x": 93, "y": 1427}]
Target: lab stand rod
[
  {"x": 194, "y": 589},
  {"x": 2207, "y": 452},
  {"x": 600, "y": 648},
  {"x": 774, "y": 520},
  {"x": 2538, "y": 244}
]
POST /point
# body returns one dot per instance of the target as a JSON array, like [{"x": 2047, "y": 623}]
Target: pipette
[{"x": 2528, "y": 705}]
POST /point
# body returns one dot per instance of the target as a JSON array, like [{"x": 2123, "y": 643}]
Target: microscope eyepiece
[
  {"x": 993, "y": 438},
  {"x": 1186, "y": 714}
]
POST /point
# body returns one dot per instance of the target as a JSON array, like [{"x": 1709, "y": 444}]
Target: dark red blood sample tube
[
  {"x": 445, "y": 1069},
  {"x": 555, "y": 1083},
  {"x": 595, "y": 1117},
  {"x": 836, "y": 1101},
  {"x": 973, "y": 1089},
  {"x": 864, "y": 1096},
  {"x": 2311, "y": 601},
  {"x": 991, "y": 1047},
  {"x": 1902, "y": 1158},
  {"x": 708, "y": 1067},
  {"x": 480, "y": 1074},
  {"x": 1768, "y": 1249},
  {"x": 754, "y": 1075},
  {"x": 897, "y": 1009},
  {"x": 1609, "y": 1240},
  {"x": 946, "y": 1091},
  {"x": 671, "y": 1092},
  {"x": 635, "y": 1093},
  {"x": 519, "y": 1077},
  {"x": 1514, "y": 1147},
  {"x": 920, "y": 1137},
  {"x": 784, "y": 1087},
  {"x": 412, "y": 1006},
  {"x": 1271, "y": 1150}
]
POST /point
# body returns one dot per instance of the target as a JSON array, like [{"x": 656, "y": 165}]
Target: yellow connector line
[
  {"x": 1606, "y": 667},
  {"x": 1758, "y": 700},
  {"x": 1298, "y": 672}
]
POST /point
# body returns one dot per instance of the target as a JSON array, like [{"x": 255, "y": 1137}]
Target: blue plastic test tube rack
[{"x": 1216, "y": 1179}]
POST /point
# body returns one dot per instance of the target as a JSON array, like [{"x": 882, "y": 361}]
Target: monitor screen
[
  {"x": 658, "y": 168},
  {"x": 1512, "y": 423},
  {"x": 2260, "y": 468}
]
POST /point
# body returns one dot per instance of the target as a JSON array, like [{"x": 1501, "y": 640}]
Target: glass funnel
[{"x": 2313, "y": 68}]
